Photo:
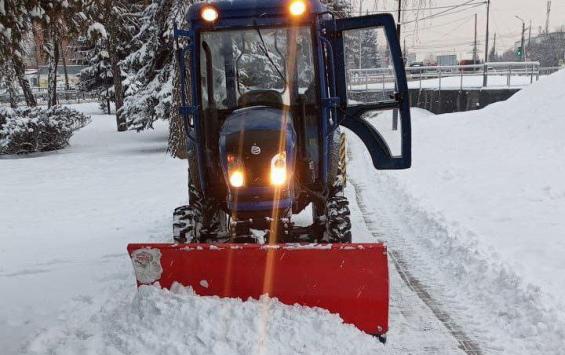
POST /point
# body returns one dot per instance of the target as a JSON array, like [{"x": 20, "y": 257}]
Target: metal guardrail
[{"x": 382, "y": 78}]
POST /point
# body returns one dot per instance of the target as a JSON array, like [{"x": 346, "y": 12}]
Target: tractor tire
[
  {"x": 184, "y": 224},
  {"x": 199, "y": 221},
  {"x": 338, "y": 222},
  {"x": 187, "y": 219},
  {"x": 209, "y": 221}
]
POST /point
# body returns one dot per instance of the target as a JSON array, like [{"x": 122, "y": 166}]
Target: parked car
[{"x": 416, "y": 65}]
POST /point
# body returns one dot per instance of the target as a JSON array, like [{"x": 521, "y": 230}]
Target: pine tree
[
  {"x": 97, "y": 76},
  {"x": 112, "y": 26},
  {"x": 148, "y": 69}
]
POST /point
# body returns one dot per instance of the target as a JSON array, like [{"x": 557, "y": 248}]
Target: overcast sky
[{"x": 453, "y": 31}]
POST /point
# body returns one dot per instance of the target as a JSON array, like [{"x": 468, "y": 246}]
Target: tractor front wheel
[
  {"x": 335, "y": 214},
  {"x": 184, "y": 224},
  {"x": 338, "y": 223}
]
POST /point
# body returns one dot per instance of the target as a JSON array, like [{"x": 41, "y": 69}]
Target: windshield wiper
[{"x": 264, "y": 48}]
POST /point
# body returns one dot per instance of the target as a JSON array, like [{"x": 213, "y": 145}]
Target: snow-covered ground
[
  {"x": 66, "y": 216},
  {"x": 473, "y": 230},
  {"x": 67, "y": 283}
]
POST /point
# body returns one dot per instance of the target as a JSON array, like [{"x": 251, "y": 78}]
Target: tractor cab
[{"x": 266, "y": 86}]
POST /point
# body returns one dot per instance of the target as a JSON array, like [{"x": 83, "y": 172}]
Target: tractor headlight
[
  {"x": 236, "y": 176},
  {"x": 237, "y": 179},
  {"x": 278, "y": 169}
]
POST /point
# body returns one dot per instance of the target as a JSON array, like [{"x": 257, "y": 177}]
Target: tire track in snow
[{"x": 466, "y": 344}]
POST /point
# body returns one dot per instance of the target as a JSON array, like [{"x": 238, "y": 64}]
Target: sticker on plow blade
[
  {"x": 147, "y": 265},
  {"x": 348, "y": 279}
]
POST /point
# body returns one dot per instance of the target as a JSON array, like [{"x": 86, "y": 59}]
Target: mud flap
[{"x": 348, "y": 279}]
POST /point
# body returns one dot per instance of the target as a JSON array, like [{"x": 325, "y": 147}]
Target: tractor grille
[{"x": 257, "y": 150}]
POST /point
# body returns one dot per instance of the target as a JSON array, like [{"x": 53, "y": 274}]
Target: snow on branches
[
  {"x": 149, "y": 69},
  {"x": 35, "y": 129}
]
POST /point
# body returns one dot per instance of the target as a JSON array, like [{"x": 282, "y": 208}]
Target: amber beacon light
[
  {"x": 209, "y": 14},
  {"x": 297, "y": 8}
]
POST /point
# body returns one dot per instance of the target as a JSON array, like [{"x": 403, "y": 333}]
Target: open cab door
[{"x": 366, "y": 68}]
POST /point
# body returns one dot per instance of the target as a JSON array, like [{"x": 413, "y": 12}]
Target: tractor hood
[{"x": 250, "y": 139}]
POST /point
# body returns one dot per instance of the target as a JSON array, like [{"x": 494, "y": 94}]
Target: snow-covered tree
[
  {"x": 177, "y": 134},
  {"x": 340, "y": 8},
  {"x": 14, "y": 25},
  {"x": 149, "y": 68},
  {"x": 7, "y": 76},
  {"x": 59, "y": 19},
  {"x": 548, "y": 49},
  {"x": 112, "y": 26},
  {"x": 97, "y": 76},
  {"x": 365, "y": 48}
]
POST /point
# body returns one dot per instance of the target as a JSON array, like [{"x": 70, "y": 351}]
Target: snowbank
[
  {"x": 478, "y": 219},
  {"x": 498, "y": 176},
  {"x": 179, "y": 322},
  {"x": 37, "y": 129}
]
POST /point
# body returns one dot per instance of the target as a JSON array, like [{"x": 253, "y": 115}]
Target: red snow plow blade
[{"x": 348, "y": 279}]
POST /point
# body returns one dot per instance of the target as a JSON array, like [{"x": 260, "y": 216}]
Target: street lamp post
[{"x": 485, "y": 66}]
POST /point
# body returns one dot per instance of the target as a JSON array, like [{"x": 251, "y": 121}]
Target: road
[{"x": 419, "y": 324}]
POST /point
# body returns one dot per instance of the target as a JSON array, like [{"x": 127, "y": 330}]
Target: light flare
[{"x": 274, "y": 230}]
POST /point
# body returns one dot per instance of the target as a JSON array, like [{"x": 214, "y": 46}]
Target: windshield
[{"x": 239, "y": 61}]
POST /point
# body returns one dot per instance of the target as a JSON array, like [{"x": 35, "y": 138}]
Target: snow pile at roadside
[
  {"x": 500, "y": 173},
  {"x": 159, "y": 321},
  {"x": 493, "y": 183}
]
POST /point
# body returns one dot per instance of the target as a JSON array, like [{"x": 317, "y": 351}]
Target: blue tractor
[
  {"x": 265, "y": 93},
  {"x": 266, "y": 88}
]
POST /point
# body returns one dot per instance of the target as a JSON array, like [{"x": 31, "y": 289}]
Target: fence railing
[
  {"x": 63, "y": 96},
  {"x": 549, "y": 70},
  {"x": 499, "y": 74}
]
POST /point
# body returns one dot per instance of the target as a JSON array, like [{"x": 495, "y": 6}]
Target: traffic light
[{"x": 519, "y": 52}]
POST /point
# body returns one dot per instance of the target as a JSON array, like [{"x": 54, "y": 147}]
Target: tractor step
[{"x": 350, "y": 279}]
